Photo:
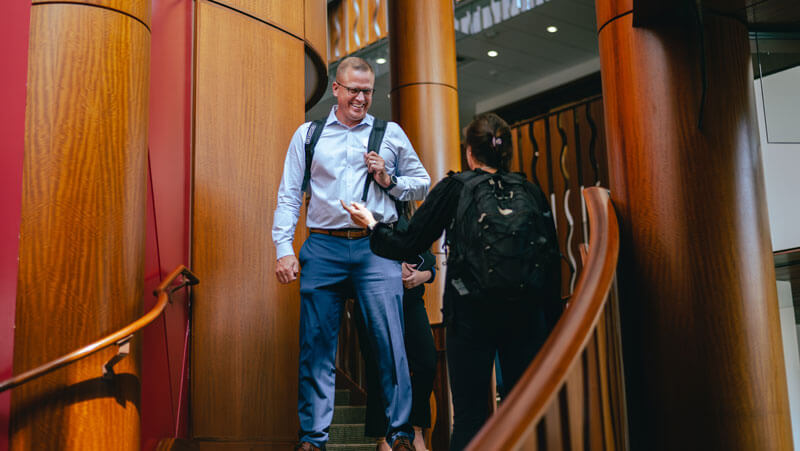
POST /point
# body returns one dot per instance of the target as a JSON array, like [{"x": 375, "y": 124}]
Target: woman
[
  {"x": 479, "y": 325},
  {"x": 420, "y": 348}
]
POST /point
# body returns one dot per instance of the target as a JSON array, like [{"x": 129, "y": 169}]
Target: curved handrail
[
  {"x": 527, "y": 402},
  {"x": 162, "y": 291}
]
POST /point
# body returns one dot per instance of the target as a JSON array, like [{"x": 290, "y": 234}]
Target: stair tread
[
  {"x": 341, "y": 397},
  {"x": 348, "y": 434},
  {"x": 349, "y": 414},
  {"x": 354, "y": 447}
]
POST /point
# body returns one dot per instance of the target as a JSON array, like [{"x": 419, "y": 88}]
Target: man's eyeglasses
[{"x": 354, "y": 91}]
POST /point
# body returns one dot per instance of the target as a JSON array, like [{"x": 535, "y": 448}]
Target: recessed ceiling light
[
  {"x": 491, "y": 53},
  {"x": 552, "y": 29},
  {"x": 381, "y": 60}
]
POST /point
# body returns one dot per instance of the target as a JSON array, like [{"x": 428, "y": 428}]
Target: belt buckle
[{"x": 349, "y": 237}]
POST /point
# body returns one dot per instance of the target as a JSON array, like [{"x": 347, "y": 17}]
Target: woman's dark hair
[{"x": 489, "y": 138}]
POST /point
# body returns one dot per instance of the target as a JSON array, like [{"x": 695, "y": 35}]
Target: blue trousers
[{"x": 333, "y": 268}]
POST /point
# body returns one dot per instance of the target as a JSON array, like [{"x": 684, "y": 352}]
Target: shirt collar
[{"x": 368, "y": 119}]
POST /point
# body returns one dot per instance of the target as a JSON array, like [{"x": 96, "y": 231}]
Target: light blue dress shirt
[{"x": 338, "y": 172}]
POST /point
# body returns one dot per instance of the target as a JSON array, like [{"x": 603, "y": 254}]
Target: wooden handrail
[
  {"x": 528, "y": 401},
  {"x": 119, "y": 337}
]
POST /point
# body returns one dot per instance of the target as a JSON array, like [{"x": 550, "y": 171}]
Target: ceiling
[{"x": 529, "y": 59}]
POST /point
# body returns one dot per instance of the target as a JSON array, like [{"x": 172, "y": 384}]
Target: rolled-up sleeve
[
  {"x": 290, "y": 196},
  {"x": 413, "y": 180}
]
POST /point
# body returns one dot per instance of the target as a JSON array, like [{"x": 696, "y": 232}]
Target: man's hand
[
  {"x": 287, "y": 269},
  {"x": 377, "y": 167},
  {"x": 412, "y": 277}
]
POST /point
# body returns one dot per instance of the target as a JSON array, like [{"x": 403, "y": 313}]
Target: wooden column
[
  {"x": 424, "y": 96},
  {"x": 702, "y": 337},
  {"x": 82, "y": 236},
  {"x": 249, "y": 100}
]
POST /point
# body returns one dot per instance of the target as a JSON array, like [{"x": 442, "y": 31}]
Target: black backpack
[
  {"x": 502, "y": 241},
  {"x": 313, "y": 135}
]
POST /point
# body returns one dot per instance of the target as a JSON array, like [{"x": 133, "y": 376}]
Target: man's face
[{"x": 353, "y": 107}]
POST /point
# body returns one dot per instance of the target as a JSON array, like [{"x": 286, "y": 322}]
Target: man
[{"x": 336, "y": 260}]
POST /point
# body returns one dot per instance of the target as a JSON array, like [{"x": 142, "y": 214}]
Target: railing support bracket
[{"x": 123, "y": 349}]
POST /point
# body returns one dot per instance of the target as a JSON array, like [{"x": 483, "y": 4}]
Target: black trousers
[
  {"x": 421, "y": 354},
  {"x": 478, "y": 330}
]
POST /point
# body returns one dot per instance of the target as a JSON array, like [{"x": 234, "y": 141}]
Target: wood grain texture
[
  {"x": 140, "y": 9},
  {"x": 559, "y": 149},
  {"x": 606, "y": 10},
  {"x": 440, "y": 432},
  {"x": 82, "y": 232},
  {"x": 316, "y": 45},
  {"x": 699, "y": 308},
  {"x": 315, "y": 26},
  {"x": 543, "y": 164},
  {"x": 337, "y": 38},
  {"x": 563, "y": 151},
  {"x": 423, "y": 48},
  {"x": 354, "y": 25},
  {"x": 377, "y": 26},
  {"x": 574, "y": 402},
  {"x": 429, "y": 116},
  {"x": 117, "y": 337},
  {"x": 275, "y": 12},
  {"x": 248, "y": 103}
]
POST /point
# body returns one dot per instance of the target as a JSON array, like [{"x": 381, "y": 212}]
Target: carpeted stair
[{"x": 347, "y": 429}]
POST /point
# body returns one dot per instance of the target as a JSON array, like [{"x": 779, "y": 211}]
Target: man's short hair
[{"x": 355, "y": 63}]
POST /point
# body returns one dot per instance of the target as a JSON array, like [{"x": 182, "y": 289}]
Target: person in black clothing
[
  {"x": 478, "y": 324},
  {"x": 420, "y": 349}
]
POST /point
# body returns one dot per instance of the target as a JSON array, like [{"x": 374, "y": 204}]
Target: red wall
[
  {"x": 14, "y": 23},
  {"x": 164, "y": 366}
]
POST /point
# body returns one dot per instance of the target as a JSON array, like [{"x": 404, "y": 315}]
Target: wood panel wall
[
  {"x": 354, "y": 25},
  {"x": 316, "y": 28},
  {"x": 248, "y": 102},
  {"x": 563, "y": 151},
  {"x": 275, "y": 12},
  {"x": 82, "y": 234}
]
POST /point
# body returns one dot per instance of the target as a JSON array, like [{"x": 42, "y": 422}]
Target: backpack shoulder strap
[
  {"x": 376, "y": 135},
  {"x": 470, "y": 180},
  {"x": 312, "y": 136},
  {"x": 374, "y": 145}
]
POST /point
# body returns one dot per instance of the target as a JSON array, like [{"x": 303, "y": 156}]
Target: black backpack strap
[
  {"x": 374, "y": 145},
  {"x": 314, "y": 132},
  {"x": 470, "y": 180}
]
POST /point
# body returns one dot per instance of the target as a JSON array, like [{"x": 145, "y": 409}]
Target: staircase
[{"x": 347, "y": 429}]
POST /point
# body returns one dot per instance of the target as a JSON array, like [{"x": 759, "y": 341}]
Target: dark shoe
[
  {"x": 305, "y": 446},
  {"x": 402, "y": 443}
]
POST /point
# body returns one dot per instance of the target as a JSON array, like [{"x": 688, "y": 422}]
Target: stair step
[
  {"x": 349, "y": 414},
  {"x": 341, "y": 398},
  {"x": 342, "y": 434},
  {"x": 362, "y": 447}
]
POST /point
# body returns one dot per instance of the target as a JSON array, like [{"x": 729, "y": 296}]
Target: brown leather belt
[{"x": 350, "y": 234}]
